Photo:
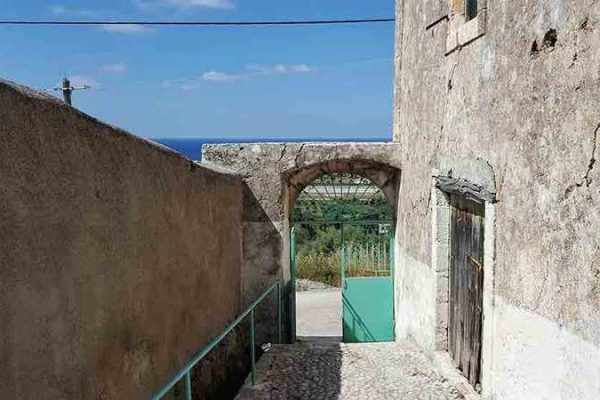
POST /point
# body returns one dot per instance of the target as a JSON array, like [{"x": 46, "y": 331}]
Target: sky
[{"x": 269, "y": 82}]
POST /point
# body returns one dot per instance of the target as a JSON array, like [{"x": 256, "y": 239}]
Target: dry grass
[{"x": 326, "y": 268}]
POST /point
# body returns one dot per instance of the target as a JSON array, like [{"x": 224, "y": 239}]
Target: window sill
[{"x": 461, "y": 34}]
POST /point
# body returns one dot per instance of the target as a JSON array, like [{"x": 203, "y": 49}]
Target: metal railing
[{"x": 185, "y": 372}]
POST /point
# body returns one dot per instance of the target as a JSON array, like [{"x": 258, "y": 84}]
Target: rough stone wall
[
  {"x": 119, "y": 258},
  {"x": 272, "y": 172},
  {"x": 523, "y": 97}
]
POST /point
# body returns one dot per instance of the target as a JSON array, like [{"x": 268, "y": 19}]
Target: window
[
  {"x": 467, "y": 23},
  {"x": 470, "y": 9}
]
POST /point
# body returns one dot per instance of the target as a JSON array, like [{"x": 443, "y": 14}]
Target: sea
[{"x": 192, "y": 147}]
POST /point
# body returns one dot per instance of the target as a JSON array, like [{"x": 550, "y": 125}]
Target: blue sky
[{"x": 320, "y": 81}]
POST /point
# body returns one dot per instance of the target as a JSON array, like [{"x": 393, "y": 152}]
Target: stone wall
[
  {"x": 119, "y": 258},
  {"x": 274, "y": 174},
  {"x": 516, "y": 88}
]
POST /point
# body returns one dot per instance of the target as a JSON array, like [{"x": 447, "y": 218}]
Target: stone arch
[
  {"x": 384, "y": 176},
  {"x": 273, "y": 175},
  {"x": 294, "y": 180}
]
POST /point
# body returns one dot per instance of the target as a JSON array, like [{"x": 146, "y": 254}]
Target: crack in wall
[
  {"x": 298, "y": 154},
  {"x": 587, "y": 180},
  {"x": 595, "y": 267},
  {"x": 283, "y": 152},
  {"x": 450, "y": 86},
  {"x": 538, "y": 300}
]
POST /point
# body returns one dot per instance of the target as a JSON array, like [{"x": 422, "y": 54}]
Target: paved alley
[
  {"x": 329, "y": 370},
  {"x": 319, "y": 313}
]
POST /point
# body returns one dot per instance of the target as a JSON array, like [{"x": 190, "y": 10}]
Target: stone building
[
  {"x": 496, "y": 122},
  {"x": 128, "y": 250},
  {"x": 502, "y": 97}
]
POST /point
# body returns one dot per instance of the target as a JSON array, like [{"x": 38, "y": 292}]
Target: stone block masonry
[{"x": 274, "y": 174}]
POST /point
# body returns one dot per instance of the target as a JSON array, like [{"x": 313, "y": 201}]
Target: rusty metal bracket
[{"x": 437, "y": 21}]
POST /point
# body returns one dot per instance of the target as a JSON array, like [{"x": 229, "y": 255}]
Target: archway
[
  {"x": 274, "y": 174},
  {"x": 341, "y": 251}
]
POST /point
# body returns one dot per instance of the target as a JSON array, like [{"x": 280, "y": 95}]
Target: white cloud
[
  {"x": 249, "y": 72},
  {"x": 168, "y": 84},
  {"x": 189, "y": 85},
  {"x": 215, "y": 4},
  {"x": 126, "y": 28},
  {"x": 62, "y": 10},
  {"x": 279, "y": 69},
  {"x": 217, "y": 76},
  {"x": 117, "y": 68},
  {"x": 222, "y": 4},
  {"x": 58, "y": 10},
  {"x": 80, "y": 81},
  {"x": 302, "y": 68}
]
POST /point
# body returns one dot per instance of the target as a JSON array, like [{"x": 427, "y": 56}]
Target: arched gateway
[
  {"x": 342, "y": 259},
  {"x": 275, "y": 175}
]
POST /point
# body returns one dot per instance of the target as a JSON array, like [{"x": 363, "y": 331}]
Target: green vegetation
[
  {"x": 319, "y": 245},
  {"x": 376, "y": 209}
]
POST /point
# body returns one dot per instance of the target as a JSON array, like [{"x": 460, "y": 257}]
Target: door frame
[
  {"x": 480, "y": 187},
  {"x": 293, "y": 272}
]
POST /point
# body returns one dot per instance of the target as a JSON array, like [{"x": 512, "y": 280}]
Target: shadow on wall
[
  {"x": 262, "y": 252},
  {"x": 232, "y": 355}
]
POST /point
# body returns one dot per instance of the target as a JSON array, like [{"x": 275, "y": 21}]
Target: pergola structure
[{"x": 342, "y": 186}]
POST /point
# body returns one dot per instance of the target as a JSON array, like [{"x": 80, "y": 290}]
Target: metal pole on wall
[
  {"x": 253, "y": 348},
  {"x": 67, "y": 90},
  {"x": 342, "y": 258},
  {"x": 188, "y": 386},
  {"x": 279, "y": 328},
  {"x": 291, "y": 292}
]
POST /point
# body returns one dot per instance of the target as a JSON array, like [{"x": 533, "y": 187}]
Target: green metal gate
[
  {"x": 363, "y": 251},
  {"x": 368, "y": 291},
  {"x": 367, "y": 284}
]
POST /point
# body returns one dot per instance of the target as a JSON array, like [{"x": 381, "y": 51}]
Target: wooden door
[{"x": 466, "y": 286}]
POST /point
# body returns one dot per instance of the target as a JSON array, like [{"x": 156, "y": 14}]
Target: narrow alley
[{"x": 326, "y": 370}]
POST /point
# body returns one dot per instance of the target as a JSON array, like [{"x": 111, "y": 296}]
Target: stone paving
[
  {"x": 319, "y": 313},
  {"x": 328, "y": 370}
]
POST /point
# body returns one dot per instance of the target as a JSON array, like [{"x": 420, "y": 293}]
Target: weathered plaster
[
  {"x": 523, "y": 98},
  {"x": 119, "y": 258},
  {"x": 415, "y": 300},
  {"x": 274, "y": 174}
]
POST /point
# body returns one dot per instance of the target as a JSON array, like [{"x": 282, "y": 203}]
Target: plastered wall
[
  {"x": 523, "y": 98},
  {"x": 118, "y": 258}
]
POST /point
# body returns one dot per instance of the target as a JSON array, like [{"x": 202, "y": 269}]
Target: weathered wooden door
[{"x": 466, "y": 286}]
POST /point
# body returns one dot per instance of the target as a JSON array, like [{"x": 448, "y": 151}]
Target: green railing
[{"x": 185, "y": 372}]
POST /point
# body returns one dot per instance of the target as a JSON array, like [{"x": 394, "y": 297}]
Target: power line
[{"x": 201, "y": 23}]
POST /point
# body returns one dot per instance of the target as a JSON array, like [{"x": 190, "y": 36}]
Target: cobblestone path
[{"x": 370, "y": 371}]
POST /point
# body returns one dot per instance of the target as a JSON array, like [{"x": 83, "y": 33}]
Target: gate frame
[
  {"x": 374, "y": 161},
  {"x": 472, "y": 179},
  {"x": 293, "y": 252}
]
